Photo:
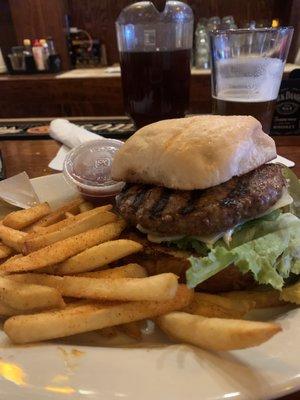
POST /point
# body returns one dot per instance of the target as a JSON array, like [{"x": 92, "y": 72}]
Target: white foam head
[{"x": 245, "y": 79}]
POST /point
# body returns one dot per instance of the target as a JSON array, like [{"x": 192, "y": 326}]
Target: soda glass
[
  {"x": 155, "y": 51},
  {"x": 247, "y": 67}
]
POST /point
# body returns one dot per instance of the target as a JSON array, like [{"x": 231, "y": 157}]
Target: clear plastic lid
[
  {"x": 88, "y": 167},
  {"x": 141, "y": 27}
]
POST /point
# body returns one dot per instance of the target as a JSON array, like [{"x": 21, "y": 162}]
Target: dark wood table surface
[{"x": 33, "y": 156}]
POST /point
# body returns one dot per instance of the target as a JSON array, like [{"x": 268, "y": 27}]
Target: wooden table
[{"x": 34, "y": 156}]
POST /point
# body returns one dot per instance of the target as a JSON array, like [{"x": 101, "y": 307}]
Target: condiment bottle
[{"x": 38, "y": 54}]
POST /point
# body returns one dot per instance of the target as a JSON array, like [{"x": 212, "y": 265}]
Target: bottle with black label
[{"x": 286, "y": 119}]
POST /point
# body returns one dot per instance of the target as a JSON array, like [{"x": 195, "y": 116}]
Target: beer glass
[{"x": 247, "y": 67}]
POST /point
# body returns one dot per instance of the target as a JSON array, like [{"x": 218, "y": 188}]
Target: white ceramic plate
[{"x": 85, "y": 368}]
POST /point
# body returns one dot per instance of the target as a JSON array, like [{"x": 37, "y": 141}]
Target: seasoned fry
[
  {"x": 5, "y": 251},
  {"x": 12, "y": 237},
  {"x": 256, "y": 298},
  {"x": 125, "y": 271},
  {"x": 215, "y": 333},
  {"x": 98, "y": 256},
  {"x": 23, "y": 296},
  {"x": 15, "y": 257},
  {"x": 60, "y": 251},
  {"x": 75, "y": 218},
  {"x": 22, "y": 218},
  {"x": 85, "y": 318},
  {"x": 75, "y": 227},
  {"x": 59, "y": 214},
  {"x": 86, "y": 206},
  {"x": 154, "y": 288},
  {"x": 291, "y": 293},
  {"x": 6, "y": 311},
  {"x": 213, "y": 306}
]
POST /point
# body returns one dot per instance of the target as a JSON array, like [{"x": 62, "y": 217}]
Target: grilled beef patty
[{"x": 202, "y": 212}]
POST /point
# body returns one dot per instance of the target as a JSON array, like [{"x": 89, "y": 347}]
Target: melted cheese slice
[{"x": 210, "y": 240}]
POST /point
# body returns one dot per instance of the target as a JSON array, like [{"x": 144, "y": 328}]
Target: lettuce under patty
[
  {"x": 268, "y": 247},
  {"x": 270, "y": 257}
]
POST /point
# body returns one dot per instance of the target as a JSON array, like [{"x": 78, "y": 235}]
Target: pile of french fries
[{"x": 57, "y": 280}]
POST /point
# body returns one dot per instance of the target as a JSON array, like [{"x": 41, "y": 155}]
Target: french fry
[
  {"x": 22, "y": 218},
  {"x": 98, "y": 256},
  {"x": 60, "y": 251},
  {"x": 5, "y": 251},
  {"x": 154, "y": 288},
  {"x": 291, "y": 293},
  {"x": 85, "y": 318},
  {"x": 15, "y": 257},
  {"x": 6, "y": 311},
  {"x": 12, "y": 237},
  {"x": 59, "y": 214},
  {"x": 22, "y": 296},
  {"x": 213, "y": 306},
  {"x": 256, "y": 298},
  {"x": 75, "y": 218},
  {"x": 216, "y": 333},
  {"x": 125, "y": 271},
  {"x": 75, "y": 227},
  {"x": 86, "y": 206},
  {"x": 132, "y": 329}
]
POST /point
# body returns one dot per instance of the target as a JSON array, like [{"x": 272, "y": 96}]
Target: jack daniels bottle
[{"x": 286, "y": 119}]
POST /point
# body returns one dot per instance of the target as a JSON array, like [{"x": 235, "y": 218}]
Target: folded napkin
[
  {"x": 70, "y": 135},
  {"x": 18, "y": 191}
]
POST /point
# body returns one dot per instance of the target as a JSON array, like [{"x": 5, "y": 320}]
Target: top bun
[{"x": 193, "y": 153}]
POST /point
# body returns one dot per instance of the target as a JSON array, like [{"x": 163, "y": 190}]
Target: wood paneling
[
  {"x": 48, "y": 97},
  {"x": 99, "y": 16},
  {"x": 7, "y": 31},
  {"x": 294, "y": 20},
  {"x": 45, "y": 96},
  {"x": 39, "y": 19}
]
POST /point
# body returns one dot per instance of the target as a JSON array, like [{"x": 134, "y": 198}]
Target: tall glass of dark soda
[{"x": 155, "y": 51}]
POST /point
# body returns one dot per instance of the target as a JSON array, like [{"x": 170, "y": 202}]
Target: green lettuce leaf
[
  {"x": 192, "y": 244},
  {"x": 270, "y": 257},
  {"x": 254, "y": 229}
]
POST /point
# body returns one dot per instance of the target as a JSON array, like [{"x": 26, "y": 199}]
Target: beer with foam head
[{"x": 247, "y": 67}]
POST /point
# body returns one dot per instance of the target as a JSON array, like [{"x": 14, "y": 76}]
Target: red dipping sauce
[{"x": 88, "y": 168}]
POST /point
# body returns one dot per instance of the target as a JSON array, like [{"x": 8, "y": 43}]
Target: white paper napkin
[
  {"x": 18, "y": 191},
  {"x": 284, "y": 161},
  {"x": 70, "y": 135}
]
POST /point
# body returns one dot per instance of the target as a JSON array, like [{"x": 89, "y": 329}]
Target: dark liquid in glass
[
  {"x": 261, "y": 110},
  {"x": 155, "y": 85}
]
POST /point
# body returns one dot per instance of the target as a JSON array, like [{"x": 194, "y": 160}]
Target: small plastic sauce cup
[{"x": 88, "y": 168}]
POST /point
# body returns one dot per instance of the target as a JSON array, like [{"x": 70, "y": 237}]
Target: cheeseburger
[{"x": 203, "y": 192}]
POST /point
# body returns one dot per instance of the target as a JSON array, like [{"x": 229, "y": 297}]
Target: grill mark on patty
[
  {"x": 215, "y": 209},
  {"x": 235, "y": 194},
  {"x": 191, "y": 203},
  {"x": 139, "y": 198},
  {"x": 161, "y": 203}
]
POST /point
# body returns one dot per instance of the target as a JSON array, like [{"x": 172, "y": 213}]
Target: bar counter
[{"x": 84, "y": 93}]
